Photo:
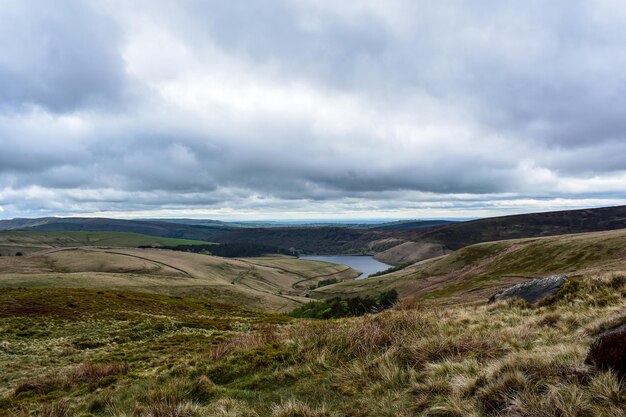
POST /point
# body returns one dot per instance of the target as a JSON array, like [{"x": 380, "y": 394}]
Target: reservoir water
[{"x": 366, "y": 264}]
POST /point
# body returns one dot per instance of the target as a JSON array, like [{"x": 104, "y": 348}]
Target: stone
[
  {"x": 608, "y": 351},
  {"x": 534, "y": 290}
]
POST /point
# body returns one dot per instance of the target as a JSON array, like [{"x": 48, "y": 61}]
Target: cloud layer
[{"x": 294, "y": 108}]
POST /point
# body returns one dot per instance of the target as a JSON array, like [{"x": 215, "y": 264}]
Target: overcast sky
[{"x": 311, "y": 109}]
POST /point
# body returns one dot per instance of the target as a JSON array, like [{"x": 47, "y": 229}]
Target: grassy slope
[
  {"x": 118, "y": 354},
  {"x": 476, "y": 271},
  {"x": 268, "y": 284},
  {"x": 91, "y": 343},
  {"x": 458, "y": 235},
  {"x": 146, "y": 227},
  {"x": 26, "y": 241},
  {"x": 411, "y": 252}
]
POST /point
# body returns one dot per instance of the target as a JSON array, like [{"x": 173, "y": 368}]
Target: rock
[
  {"x": 608, "y": 351},
  {"x": 534, "y": 290}
]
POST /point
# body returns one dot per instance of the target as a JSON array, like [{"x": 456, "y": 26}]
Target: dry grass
[
  {"x": 505, "y": 359},
  {"x": 242, "y": 342},
  {"x": 86, "y": 373},
  {"x": 296, "y": 408},
  {"x": 276, "y": 284},
  {"x": 58, "y": 409}
]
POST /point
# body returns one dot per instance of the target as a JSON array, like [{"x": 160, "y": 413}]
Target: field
[
  {"x": 267, "y": 284},
  {"x": 12, "y": 242},
  {"x": 112, "y": 353}
]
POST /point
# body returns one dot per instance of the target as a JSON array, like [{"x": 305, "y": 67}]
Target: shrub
[{"x": 348, "y": 307}]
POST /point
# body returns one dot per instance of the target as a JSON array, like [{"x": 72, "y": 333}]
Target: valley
[
  {"x": 273, "y": 283},
  {"x": 115, "y": 323}
]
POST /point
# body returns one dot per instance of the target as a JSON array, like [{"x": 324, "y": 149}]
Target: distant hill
[
  {"x": 404, "y": 225},
  {"x": 429, "y": 237},
  {"x": 12, "y": 241},
  {"x": 318, "y": 240},
  {"x": 21, "y": 223},
  {"x": 152, "y": 228},
  {"x": 458, "y": 235}
]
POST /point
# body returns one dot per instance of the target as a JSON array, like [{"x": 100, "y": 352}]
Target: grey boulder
[{"x": 534, "y": 290}]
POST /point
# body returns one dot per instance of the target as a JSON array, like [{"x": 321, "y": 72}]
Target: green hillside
[
  {"x": 475, "y": 272},
  {"x": 27, "y": 241},
  {"x": 112, "y": 353}
]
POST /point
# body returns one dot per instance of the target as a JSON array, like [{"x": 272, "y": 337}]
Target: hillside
[
  {"x": 317, "y": 239},
  {"x": 113, "y": 353},
  {"x": 405, "y": 225},
  {"x": 146, "y": 227},
  {"x": 458, "y": 235},
  {"x": 267, "y": 284},
  {"x": 477, "y": 271},
  {"x": 414, "y": 240},
  {"x": 408, "y": 246},
  {"x": 27, "y": 242}
]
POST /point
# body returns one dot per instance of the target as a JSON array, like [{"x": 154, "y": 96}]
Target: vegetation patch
[
  {"x": 390, "y": 270},
  {"x": 348, "y": 307},
  {"x": 232, "y": 250}
]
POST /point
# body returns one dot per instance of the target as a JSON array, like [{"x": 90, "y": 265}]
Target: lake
[{"x": 366, "y": 264}]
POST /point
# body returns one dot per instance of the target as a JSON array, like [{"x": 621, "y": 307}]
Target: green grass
[
  {"x": 50, "y": 335},
  {"x": 81, "y": 238},
  {"x": 110, "y": 353}
]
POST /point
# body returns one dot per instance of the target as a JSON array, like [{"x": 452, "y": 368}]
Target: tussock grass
[
  {"x": 58, "y": 409},
  {"x": 86, "y": 373},
  {"x": 504, "y": 359}
]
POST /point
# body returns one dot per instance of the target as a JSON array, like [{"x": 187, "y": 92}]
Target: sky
[{"x": 296, "y": 109}]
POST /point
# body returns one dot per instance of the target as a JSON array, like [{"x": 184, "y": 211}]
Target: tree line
[{"x": 230, "y": 250}]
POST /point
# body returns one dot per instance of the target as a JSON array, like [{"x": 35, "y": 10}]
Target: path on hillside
[{"x": 236, "y": 281}]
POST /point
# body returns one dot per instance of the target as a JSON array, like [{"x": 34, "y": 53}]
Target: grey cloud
[
  {"x": 535, "y": 92},
  {"x": 60, "y": 56}
]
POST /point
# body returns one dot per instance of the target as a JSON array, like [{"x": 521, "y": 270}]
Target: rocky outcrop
[
  {"x": 608, "y": 351},
  {"x": 534, "y": 290}
]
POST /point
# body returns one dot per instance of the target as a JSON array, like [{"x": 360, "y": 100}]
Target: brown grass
[
  {"x": 86, "y": 373},
  {"x": 58, "y": 409}
]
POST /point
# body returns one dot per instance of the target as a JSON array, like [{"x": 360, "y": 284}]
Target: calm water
[{"x": 366, "y": 264}]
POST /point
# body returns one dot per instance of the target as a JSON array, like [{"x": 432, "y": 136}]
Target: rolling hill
[
  {"x": 317, "y": 239},
  {"x": 420, "y": 244},
  {"x": 458, "y": 235},
  {"x": 395, "y": 243},
  {"x": 27, "y": 241},
  {"x": 267, "y": 284}
]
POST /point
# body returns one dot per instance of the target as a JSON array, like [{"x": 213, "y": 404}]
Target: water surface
[{"x": 366, "y": 264}]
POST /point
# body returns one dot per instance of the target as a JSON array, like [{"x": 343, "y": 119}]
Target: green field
[{"x": 27, "y": 242}]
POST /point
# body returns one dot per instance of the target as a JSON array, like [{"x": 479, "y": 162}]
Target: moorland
[{"x": 100, "y": 317}]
